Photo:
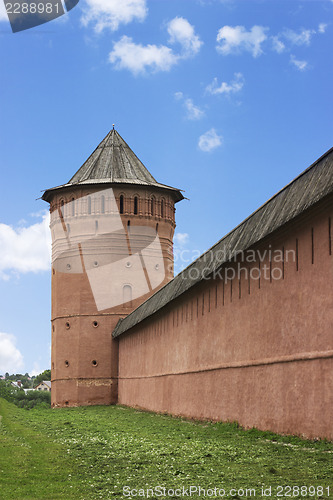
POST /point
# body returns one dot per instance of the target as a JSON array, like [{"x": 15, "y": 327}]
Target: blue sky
[{"x": 227, "y": 100}]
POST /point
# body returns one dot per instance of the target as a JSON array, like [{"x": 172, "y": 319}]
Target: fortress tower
[{"x": 112, "y": 231}]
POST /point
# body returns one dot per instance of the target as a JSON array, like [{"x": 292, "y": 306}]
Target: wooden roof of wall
[{"x": 312, "y": 185}]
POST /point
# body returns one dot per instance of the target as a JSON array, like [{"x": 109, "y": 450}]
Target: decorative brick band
[{"x": 307, "y": 356}]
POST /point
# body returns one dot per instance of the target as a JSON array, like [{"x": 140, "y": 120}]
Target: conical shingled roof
[{"x": 113, "y": 162}]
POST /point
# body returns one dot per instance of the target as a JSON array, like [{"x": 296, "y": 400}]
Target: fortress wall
[{"x": 256, "y": 351}]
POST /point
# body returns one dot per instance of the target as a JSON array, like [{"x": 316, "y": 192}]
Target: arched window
[
  {"x": 162, "y": 208},
  {"x": 89, "y": 205},
  {"x": 152, "y": 206},
  {"x": 127, "y": 294},
  {"x": 62, "y": 209},
  {"x": 102, "y": 204},
  {"x": 73, "y": 207},
  {"x": 121, "y": 204},
  {"x": 135, "y": 205}
]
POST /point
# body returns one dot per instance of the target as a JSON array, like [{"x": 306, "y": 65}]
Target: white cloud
[
  {"x": 322, "y": 27},
  {"x": 11, "y": 360},
  {"x": 25, "y": 249},
  {"x": 183, "y": 256},
  {"x": 37, "y": 370},
  {"x": 138, "y": 58},
  {"x": 181, "y": 239},
  {"x": 226, "y": 88},
  {"x": 193, "y": 112},
  {"x": 209, "y": 141},
  {"x": 111, "y": 13},
  {"x": 278, "y": 45},
  {"x": 3, "y": 12},
  {"x": 181, "y": 31},
  {"x": 301, "y": 38},
  {"x": 301, "y": 65},
  {"x": 236, "y": 39},
  {"x": 179, "y": 95}
]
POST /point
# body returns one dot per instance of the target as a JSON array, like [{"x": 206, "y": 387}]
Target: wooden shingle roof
[
  {"x": 312, "y": 185},
  {"x": 113, "y": 162}
]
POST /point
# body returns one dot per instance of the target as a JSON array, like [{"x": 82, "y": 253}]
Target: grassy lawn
[{"x": 94, "y": 452}]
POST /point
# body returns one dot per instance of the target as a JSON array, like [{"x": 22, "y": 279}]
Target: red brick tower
[{"x": 112, "y": 231}]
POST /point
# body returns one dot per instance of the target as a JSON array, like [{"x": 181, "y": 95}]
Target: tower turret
[{"x": 112, "y": 231}]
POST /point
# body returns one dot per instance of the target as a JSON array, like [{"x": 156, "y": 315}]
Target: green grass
[{"x": 93, "y": 452}]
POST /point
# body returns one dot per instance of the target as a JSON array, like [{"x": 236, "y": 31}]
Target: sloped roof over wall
[
  {"x": 113, "y": 162},
  {"x": 308, "y": 188}
]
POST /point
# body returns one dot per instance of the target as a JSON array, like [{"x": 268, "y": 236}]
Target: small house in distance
[
  {"x": 17, "y": 384},
  {"x": 44, "y": 386}
]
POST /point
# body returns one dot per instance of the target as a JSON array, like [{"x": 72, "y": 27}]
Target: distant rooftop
[{"x": 113, "y": 162}]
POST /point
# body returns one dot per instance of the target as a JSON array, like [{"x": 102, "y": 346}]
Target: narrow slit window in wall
[
  {"x": 136, "y": 205},
  {"x": 127, "y": 294},
  {"x": 121, "y": 204}
]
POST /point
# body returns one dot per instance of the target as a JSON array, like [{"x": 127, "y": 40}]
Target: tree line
[
  {"x": 27, "y": 381},
  {"x": 19, "y": 397}
]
